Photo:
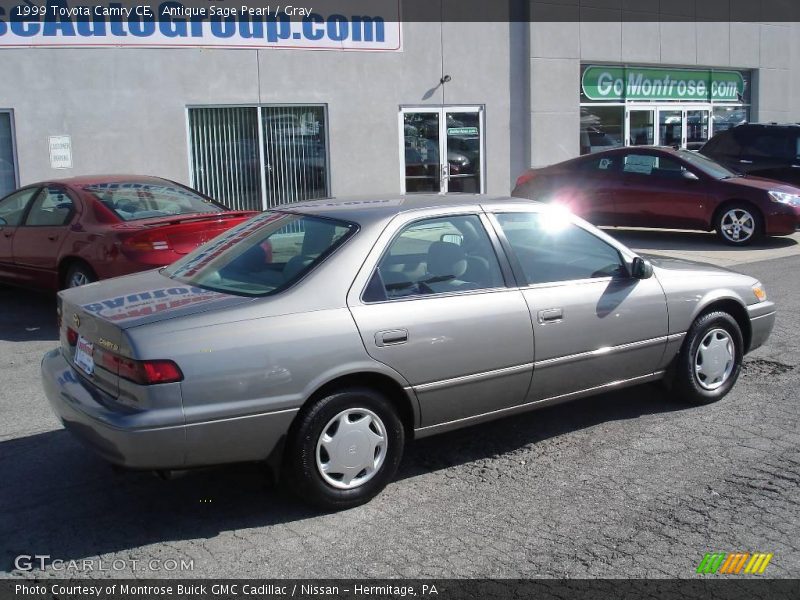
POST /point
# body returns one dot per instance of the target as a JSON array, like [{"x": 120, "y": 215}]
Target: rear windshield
[
  {"x": 132, "y": 200},
  {"x": 263, "y": 255}
]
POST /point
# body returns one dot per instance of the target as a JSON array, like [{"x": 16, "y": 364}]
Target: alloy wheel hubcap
[
  {"x": 714, "y": 359},
  {"x": 78, "y": 279},
  {"x": 738, "y": 225},
  {"x": 351, "y": 448}
]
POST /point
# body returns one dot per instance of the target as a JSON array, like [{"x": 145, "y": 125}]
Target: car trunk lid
[
  {"x": 99, "y": 314},
  {"x": 181, "y": 233}
]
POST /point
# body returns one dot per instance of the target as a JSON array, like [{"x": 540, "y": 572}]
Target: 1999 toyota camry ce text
[{"x": 320, "y": 336}]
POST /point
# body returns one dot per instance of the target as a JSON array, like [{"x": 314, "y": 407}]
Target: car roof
[
  {"x": 369, "y": 209},
  {"x": 84, "y": 180},
  {"x": 765, "y": 125}
]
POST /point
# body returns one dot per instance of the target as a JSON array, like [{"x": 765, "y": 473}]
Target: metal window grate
[{"x": 227, "y": 161}]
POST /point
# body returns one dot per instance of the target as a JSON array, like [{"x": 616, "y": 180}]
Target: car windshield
[
  {"x": 132, "y": 200},
  {"x": 262, "y": 256},
  {"x": 706, "y": 165}
]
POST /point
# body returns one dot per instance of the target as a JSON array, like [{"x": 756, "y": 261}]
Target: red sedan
[
  {"x": 70, "y": 232},
  {"x": 666, "y": 188}
]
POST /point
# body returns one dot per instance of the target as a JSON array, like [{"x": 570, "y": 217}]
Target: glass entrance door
[
  {"x": 696, "y": 128},
  {"x": 442, "y": 150},
  {"x": 641, "y": 127},
  {"x": 671, "y": 127}
]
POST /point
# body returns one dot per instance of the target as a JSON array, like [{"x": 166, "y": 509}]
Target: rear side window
[
  {"x": 436, "y": 256},
  {"x": 52, "y": 207},
  {"x": 550, "y": 248},
  {"x": 599, "y": 165},
  {"x": 724, "y": 143},
  {"x": 262, "y": 256}
]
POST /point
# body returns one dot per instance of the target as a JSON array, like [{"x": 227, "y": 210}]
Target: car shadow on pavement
[
  {"x": 27, "y": 316},
  {"x": 61, "y": 500},
  {"x": 670, "y": 239}
]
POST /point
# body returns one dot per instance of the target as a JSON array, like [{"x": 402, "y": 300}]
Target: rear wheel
[
  {"x": 739, "y": 224},
  {"x": 345, "y": 449},
  {"x": 79, "y": 274},
  {"x": 709, "y": 362}
]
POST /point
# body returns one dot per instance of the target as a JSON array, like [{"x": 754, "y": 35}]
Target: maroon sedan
[
  {"x": 70, "y": 232},
  {"x": 666, "y": 188}
]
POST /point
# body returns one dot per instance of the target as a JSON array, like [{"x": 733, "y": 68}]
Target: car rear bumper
[
  {"x": 114, "y": 434},
  {"x": 762, "y": 320},
  {"x": 135, "y": 439}
]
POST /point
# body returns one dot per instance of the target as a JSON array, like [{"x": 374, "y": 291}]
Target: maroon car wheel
[{"x": 739, "y": 224}]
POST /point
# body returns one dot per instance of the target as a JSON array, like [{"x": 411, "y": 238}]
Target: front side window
[
  {"x": 435, "y": 256},
  {"x": 13, "y": 207},
  {"x": 52, "y": 208},
  {"x": 262, "y": 256},
  {"x": 652, "y": 166},
  {"x": 550, "y": 248},
  {"x": 134, "y": 200}
]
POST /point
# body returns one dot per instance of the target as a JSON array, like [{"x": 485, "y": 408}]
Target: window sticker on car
[
  {"x": 605, "y": 163},
  {"x": 636, "y": 163}
]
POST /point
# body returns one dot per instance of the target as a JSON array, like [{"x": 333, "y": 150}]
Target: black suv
[{"x": 764, "y": 150}]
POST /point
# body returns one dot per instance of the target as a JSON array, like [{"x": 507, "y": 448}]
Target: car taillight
[
  {"x": 161, "y": 371},
  {"x": 72, "y": 336},
  {"x": 146, "y": 241},
  {"x": 143, "y": 372},
  {"x": 525, "y": 178}
]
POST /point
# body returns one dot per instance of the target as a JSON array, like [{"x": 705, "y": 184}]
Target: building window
[
  {"x": 601, "y": 128},
  {"x": 258, "y": 157},
  {"x": 8, "y": 171},
  {"x": 624, "y": 105}
]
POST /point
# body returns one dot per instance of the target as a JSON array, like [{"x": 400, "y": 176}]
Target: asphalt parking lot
[{"x": 627, "y": 484}]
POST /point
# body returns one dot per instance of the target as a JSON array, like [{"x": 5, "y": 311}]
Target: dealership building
[{"x": 256, "y": 110}]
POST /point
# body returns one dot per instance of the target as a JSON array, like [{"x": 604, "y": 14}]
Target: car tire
[
  {"x": 79, "y": 274},
  {"x": 710, "y": 360},
  {"x": 739, "y": 224},
  {"x": 335, "y": 457}
]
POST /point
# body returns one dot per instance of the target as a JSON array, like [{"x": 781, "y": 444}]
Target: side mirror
[
  {"x": 641, "y": 269},
  {"x": 689, "y": 176},
  {"x": 3, "y": 222}
]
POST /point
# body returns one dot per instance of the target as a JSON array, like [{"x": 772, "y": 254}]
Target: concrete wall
[
  {"x": 125, "y": 108},
  {"x": 557, "y": 49}
]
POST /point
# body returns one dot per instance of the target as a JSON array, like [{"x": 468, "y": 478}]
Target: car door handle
[
  {"x": 391, "y": 337},
  {"x": 745, "y": 161},
  {"x": 52, "y": 238},
  {"x": 550, "y": 315}
]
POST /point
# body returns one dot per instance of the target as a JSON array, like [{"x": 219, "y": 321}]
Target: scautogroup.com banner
[{"x": 229, "y": 23}]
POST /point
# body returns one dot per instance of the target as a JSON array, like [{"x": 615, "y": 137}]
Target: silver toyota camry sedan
[{"x": 320, "y": 336}]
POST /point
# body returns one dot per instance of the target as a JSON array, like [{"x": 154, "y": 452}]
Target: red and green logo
[{"x": 734, "y": 563}]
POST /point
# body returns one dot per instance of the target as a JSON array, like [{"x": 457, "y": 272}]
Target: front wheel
[
  {"x": 739, "y": 224},
  {"x": 710, "y": 360},
  {"x": 345, "y": 449}
]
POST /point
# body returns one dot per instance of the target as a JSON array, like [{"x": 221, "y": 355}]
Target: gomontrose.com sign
[
  {"x": 171, "y": 23},
  {"x": 634, "y": 83}
]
